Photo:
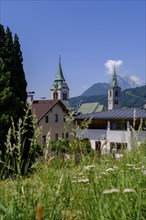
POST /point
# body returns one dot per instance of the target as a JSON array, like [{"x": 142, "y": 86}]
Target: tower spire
[
  {"x": 59, "y": 58},
  {"x": 114, "y": 79},
  {"x": 60, "y": 89},
  {"x": 114, "y": 92}
]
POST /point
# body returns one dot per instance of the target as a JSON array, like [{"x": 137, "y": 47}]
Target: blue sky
[{"x": 85, "y": 33}]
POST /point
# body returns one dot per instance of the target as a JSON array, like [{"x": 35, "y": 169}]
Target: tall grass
[
  {"x": 105, "y": 189},
  {"x": 21, "y": 147},
  {"x": 111, "y": 189}
]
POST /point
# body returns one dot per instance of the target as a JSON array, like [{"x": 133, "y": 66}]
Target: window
[
  {"x": 116, "y": 102},
  {"x": 56, "y": 136},
  {"x": 56, "y": 117},
  {"x": 116, "y": 93},
  {"x": 47, "y": 119},
  {"x": 110, "y": 93},
  {"x": 43, "y": 139},
  {"x": 64, "y": 96},
  {"x": 64, "y": 118},
  {"x": 66, "y": 135},
  {"x": 118, "y": 126},
  {"x": 98, "y": 146},
  {"x": 62, "y": 135},
  {"x": 55, "y": 95},
  {"x": 118, "y": 147}
]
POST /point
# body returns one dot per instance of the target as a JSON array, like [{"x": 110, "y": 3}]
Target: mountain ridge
[
  {"x": 99, "y": 88},
  {"x": 134, "y": 97}
]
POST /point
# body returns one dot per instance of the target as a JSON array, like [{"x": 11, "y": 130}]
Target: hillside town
[{"x": 113, "y": 128}]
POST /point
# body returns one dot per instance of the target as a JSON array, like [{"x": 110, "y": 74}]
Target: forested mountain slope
[{"x": 134, "y": 97}]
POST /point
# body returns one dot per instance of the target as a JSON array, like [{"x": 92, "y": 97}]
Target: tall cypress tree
[
  {"x": 13, "y": 95},
  {"x": 18, "y": 76},
  {"x": 6, "y": 96}
]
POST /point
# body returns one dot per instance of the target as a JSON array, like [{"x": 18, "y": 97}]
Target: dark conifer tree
[
  {"x": 13, "y": 96},
  {"x": 18, "y": 77}
]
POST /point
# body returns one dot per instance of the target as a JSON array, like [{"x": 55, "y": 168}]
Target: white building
[{"x": 115, "y": 127}]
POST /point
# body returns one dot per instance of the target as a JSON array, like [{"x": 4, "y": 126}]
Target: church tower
[
  {"x": 60, "y": 89},
  {"x": 114, "y": 93}
]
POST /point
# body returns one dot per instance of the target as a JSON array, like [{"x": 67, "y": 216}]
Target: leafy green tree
[{"x": 60, "y": 146}]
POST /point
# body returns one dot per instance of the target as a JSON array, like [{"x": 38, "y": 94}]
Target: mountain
[
  {"x": 125, "y": 82},
  {"x": 97, "y": 89},
  {"x": 128, "y": 82},
  {"x": 135, "y": 97}
]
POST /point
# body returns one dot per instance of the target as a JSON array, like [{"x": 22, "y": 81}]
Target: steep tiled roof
[
  {"x": 88, "y": 108},
  {"x": 41, "y": 107},
  {"x": 128, "y": 113}
]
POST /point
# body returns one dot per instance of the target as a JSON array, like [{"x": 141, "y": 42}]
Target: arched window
[
  {"x": 116, "y": 93},
  {"x": 55, "y": 95},
  {"x": 110, "y": 93},
  {"x": 64, "y": 96}
]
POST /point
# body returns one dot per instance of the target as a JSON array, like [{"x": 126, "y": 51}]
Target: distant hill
[
  {"x": 134, "y": 97},
  {"x": 97, "y": 89}
]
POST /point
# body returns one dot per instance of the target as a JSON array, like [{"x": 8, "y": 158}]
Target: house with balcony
[
  {"x": 116, "y": 127},
  {"x": 119, "y": 128}
]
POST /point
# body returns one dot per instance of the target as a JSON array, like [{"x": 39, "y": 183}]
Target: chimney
[{"x": 30, "y": 96}]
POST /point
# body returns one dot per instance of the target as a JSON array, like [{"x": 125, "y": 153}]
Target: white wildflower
[
  {"x": 98, "y": 177},
  {"x": 110, "y": 191},
  {"x": 89, "y": 167},
  {"x": 128, "y": 190},
  {"x": 104, "y": 173},
  {"x": 59, "y": 185},
  {"x": 111, "y": 169},
  {"x": 136, "y": 168},
  {"x": 81, "y": 181},
  {"x": 118, "y": 156},
  {"x": 80, "y": 174},
  {"x": 144, "y": 172},
  {"x": 130, "y": 165}
]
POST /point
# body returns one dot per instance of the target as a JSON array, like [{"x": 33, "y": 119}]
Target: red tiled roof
[{"x": 41, "y": 107}]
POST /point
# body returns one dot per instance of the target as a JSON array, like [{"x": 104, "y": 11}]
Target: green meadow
[{"x": 101, "y": 188}]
